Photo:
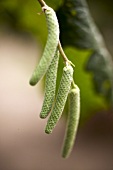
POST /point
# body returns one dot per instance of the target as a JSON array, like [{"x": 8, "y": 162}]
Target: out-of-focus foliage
[
  {"x": 74, "y": 15},
  {"x": 21, "y": 17}
]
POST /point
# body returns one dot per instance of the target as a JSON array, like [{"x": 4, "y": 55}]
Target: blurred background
[{"x": 23, "y": 143}]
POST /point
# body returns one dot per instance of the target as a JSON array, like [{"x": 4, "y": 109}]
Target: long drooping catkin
[
  {"x": 50, "y": 48},
  {"x": 61, "y": 98},
  {"x": 50, "y": 86},
  {"x": 73, "y": 121}
]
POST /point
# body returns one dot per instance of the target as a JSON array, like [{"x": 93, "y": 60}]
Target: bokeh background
[{"x": 23, "y": 143}]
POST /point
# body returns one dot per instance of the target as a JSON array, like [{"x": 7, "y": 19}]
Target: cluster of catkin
[{"x": 67, "y": 89}]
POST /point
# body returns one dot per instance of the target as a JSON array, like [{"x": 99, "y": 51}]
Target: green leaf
[
  {"x": 101, "y": 75},
  {"x": 79, "y": 31},
  {"x": 74, "y": 24}
]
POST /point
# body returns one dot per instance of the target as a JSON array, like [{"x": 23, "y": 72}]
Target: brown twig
[
  {"x": 63, "y": 55},
  {"x": 62, "y": 52},
  {"x": 42, "y": 3}
]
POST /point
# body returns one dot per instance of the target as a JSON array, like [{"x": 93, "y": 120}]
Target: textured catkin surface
[
  {"x": 50, "y": 48},
  {"x": 73, "y": 121},
  {"x": 61, "y": 98},
  {"x": 50, "y": 86}
]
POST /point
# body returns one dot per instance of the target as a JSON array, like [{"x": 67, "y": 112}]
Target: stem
[
  {"x": 62, "y": 52},
  {"x": 42, "y": 3}
]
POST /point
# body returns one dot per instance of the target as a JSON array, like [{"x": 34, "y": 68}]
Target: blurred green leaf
[
  {"x": 78, "y": 30},
  {"x": 74, "y": 24},
  {"x": 102, "y": 75}
]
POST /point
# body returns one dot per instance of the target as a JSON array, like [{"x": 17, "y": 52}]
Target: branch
[
  {"x": 63, "y": 54},
  {"x": 42, "y": 3}
]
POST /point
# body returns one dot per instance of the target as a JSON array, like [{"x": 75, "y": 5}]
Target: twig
[
  {"x": 63, "y": 55},
  {"x": 42, "y": 3},
  {"x": 62, "y": 52}
]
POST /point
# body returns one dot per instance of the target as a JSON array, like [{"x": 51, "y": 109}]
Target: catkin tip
[
  {"x": 48, "y": 131},
  {"x": 64, "y": 156},
  {"x": 42, "y": 116},
  {"x": 32, "y": 83}
]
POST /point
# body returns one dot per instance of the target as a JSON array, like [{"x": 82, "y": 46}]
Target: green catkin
[
  {"x": 50, "y": 48},
  {"x": 61, "y": 98},
  {"x": 50, "y": 86},
  {"x": 73, "y": 121}
]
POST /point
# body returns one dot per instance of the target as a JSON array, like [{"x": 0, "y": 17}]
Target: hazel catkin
[
  {"x": 50, "y": 86},
  {"x": 61, "y": 98},
  {"x": 50, "y": 48},
  {"x": 72, "y": 121}
]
